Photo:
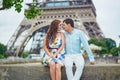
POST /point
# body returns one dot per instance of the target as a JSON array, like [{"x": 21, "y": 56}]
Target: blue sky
[{"x": 108, "y": 18}]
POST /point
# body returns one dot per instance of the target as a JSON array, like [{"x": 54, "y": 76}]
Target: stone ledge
[
  {"x": 36, "y": 71},
  {"x": 98, "y": 60}
]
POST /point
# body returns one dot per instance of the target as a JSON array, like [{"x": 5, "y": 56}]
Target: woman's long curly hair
[{"x": 52, "y": 31}]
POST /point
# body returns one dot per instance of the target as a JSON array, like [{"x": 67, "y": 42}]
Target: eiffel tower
[{"x": 83, "y": 13}]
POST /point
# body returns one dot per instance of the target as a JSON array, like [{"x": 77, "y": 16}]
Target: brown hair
[
  {"x": 69, "y": 21},
  {"x": 52, "y": 31}
]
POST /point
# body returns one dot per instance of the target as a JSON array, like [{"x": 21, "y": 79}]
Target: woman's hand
[
  {"x": 52, "y": 56},
  {"x": 55, "y": 55}
]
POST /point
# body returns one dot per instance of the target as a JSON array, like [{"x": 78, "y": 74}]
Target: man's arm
[{"x": 87, "y": 48}]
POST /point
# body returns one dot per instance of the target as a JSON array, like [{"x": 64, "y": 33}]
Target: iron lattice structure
[{"x": 83, "y": 12}]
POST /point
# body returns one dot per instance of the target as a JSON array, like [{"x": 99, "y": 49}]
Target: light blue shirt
[{"x": 74, "y": 41}]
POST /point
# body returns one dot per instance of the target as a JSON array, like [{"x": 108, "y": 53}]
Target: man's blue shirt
[{"x": 74, "y": 41}]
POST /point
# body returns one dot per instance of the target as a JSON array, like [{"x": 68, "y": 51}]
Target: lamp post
[
  {"x": 41, "y": 40},
  {"x": 119, "y": 42},
  {"x": 1, "y": 6},
  {"x": 119, "y": 46}
]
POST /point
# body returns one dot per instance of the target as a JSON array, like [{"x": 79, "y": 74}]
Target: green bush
[
  {"x": 25, "y": 54},
  {"x": 1, "y": 56},
  {"x": 107, "y": 44}
]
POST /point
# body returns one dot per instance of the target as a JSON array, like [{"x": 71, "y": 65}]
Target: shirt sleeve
[{"x": 86, "y": 46}]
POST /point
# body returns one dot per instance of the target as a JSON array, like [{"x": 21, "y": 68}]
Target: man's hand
[{"x": 92, "y": 63}]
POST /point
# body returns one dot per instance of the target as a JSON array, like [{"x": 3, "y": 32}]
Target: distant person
[
  {"x": 73, "y": 53},
  {"x": 54, "y": 43}
]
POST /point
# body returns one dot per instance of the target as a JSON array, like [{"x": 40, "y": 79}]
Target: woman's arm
[
  {"x": 45, "y": 48},
  {"x": 62, "y": 46}
]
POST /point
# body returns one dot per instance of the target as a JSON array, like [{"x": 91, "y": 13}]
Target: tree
[
  {"x": 7, "y": 4},
  {"x": 3, "y": 50},
  {"x": 114, "y": 51},
  {"x": 110, "y": 43},
  {"x": 32, "y": 12},
  {"x": 119, "y": 51},
  {"x": 106, "y": 43}
]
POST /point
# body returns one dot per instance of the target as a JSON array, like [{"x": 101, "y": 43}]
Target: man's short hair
[{"x": 69, "y": 21}]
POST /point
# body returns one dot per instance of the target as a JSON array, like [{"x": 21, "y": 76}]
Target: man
[{"x": 74, "y": 39}]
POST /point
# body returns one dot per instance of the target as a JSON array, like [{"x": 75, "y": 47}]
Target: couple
[{"x": 54, "y": 44}]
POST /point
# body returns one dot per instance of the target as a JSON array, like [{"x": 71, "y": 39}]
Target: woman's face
[{"x": 59, "y": 26}]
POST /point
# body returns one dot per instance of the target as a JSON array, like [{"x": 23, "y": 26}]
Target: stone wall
[
  {"x": 98, "y": 60},
  {"x": 36, "y": 71},
  {"x": 104, "y": 60}
]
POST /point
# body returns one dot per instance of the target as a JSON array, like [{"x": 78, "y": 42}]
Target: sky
[{"x": 108, "y": 18}]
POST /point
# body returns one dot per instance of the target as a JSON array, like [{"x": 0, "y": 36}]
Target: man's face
[{"x": 65, "y": 26}]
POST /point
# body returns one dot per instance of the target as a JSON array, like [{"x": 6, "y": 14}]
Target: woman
[{"x": 54, "y": 43}]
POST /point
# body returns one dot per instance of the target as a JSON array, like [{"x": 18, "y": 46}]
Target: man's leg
[
  {"x": 68, "y": 66},
  {"x": 79, "y": 62}
]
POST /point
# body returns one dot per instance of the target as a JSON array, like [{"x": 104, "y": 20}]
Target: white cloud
[
  {"x": 108, "y": 17},
  {"x": 9, "y": 21}
]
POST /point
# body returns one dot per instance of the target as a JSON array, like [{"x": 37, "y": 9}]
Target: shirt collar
[{"x": 71, "y": 31}]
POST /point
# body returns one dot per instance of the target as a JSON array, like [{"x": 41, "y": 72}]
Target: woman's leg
[
  {"x": 58, "y": 71},
  {"x": 52, "y": 70}
]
